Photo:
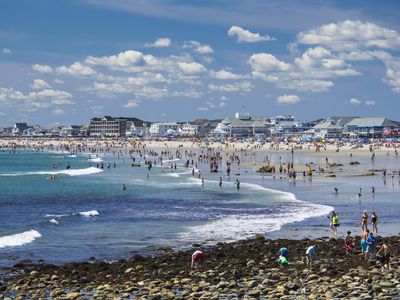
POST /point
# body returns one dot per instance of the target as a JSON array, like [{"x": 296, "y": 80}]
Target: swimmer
[
  {"x": 237, "y": 184},
  {"x": 123, "y": 187}
]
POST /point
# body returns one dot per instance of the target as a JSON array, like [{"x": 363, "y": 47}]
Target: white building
[
  {"x": 242, "y": 125},
  {"x": 328, "y": 130},
  {"x": 164, "y": 128}
]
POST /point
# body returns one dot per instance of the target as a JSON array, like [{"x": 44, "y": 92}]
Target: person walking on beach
[
  {"x": 385, "y": 258},
  {"x": 364, "y": 221},
  {"x": 334, "y": 222},
  {"x": 197, "y": 258},
  {"x": 374, "y": 220},
  {"x": 371, "y": 248},
  {"x": 310, "y": 253}
]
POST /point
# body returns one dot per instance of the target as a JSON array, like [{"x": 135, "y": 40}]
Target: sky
[{"x": 64, "y": 62}]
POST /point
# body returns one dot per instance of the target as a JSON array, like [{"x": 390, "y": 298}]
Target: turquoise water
[{"x": 83, "y": 212}]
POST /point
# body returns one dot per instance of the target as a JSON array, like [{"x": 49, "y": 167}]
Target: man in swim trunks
[
  {"x": 363, "y": 237},
  {"x": 197, "y": 257},
  {"x": 311, "y": 251}
]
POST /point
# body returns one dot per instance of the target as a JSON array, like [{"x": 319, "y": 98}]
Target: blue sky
[{"x": 64, "y": 62}]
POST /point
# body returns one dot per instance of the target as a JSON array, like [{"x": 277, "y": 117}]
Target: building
[
  {"x": 19, "y": 128},
  {"x": 369, "y": 127},
  {"x": 70, "y": 131},
  {"x": 288, "y": 127},
  {"x": 242, "y": 125},
  {"x": 327, "y": 130},
  {"x": 111, "y": 127},
  {"x": 164, "y": 128}
]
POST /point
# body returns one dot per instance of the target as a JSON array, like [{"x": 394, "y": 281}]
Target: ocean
[{"x": 84, "y": 213}]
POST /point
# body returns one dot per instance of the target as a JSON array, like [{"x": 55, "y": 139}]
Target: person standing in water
[
  {"x": 220, "y": 182},
  {"x": 237, "y": 184},
  {"x": 374, "y": 220},
  {"x": 364, "y": 221}
]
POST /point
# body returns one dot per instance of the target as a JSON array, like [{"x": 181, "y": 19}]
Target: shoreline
[{"x": 242, "y": 269}]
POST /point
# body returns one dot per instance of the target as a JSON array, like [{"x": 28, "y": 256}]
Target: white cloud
[
  {"x": 203, "y": 108},
  {"x": 244, "y": 35},
  {"x": 243, "y": 86},
  {"x": 132, "y": 104},
  {"x": 76, "y": 69},
  {"x": 39, "y": 84},
  {"x": 191, "y": 67},
  {"x": 6, "y": 51},
  {"x": 224, "y": 74},
  {"x": 288, "y": 99},
  {"x": 57, "y": 111},
  {"x": 355, "y": 101},
  {"x": 120, "y": 60},
  {"x": 59, "y": 81},
  {"x": 198, "y": 47},
  {"x": 222, "y": 104},
  {"x": 369, "y": 103},
  {"x": 306, "y": 85},
  {"x": 350, "y": 35},
  {"x": 160, "y": 43},
  {"x": 44, "y": 69},
  {"x": 267, "y": 62}
]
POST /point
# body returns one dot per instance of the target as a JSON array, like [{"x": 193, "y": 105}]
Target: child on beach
[
  {"x": 282, "y": 259},
  {"x": 385, "y": 258},
  {"x": 348, "y": 242},
  {"x": 197, "y": 258}
]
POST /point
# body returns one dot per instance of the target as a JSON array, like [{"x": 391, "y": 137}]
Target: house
[
  {"x": 287, "y": 127},
  {"x": 164, "y": 128},
  {"x": 70, "y": 131},
  {"x": 327, "y": 130},
  {"x": 369, "y": 127},
  {"x": 242, "y": 125},
  {"x": 19, "y": 128}
]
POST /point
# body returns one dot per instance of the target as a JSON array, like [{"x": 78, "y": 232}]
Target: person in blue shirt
[
  {"x": 371, "y": 248},
  {"x": 311, "y": 251}
]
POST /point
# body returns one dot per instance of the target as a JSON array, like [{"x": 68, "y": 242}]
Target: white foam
[
  {"x": 231, "y": 228},
  {"x": 96, "y": 159},
  {"x": 19, "y": 239},
  {"x": 70, "y": 172},
  {"x": 170, "y": 160},
  {"x": 72, "y": 156},
  {"x": 90, "y": 213},
  {"x": 54, "y": 221},
  {"x": 171, "y": 175}
]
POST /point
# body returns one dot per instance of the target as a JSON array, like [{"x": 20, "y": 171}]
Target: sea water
[{"x": 84, "y": 213}]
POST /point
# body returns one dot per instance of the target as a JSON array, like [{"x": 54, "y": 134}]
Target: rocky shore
[{"x": 241, "y": 270}]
